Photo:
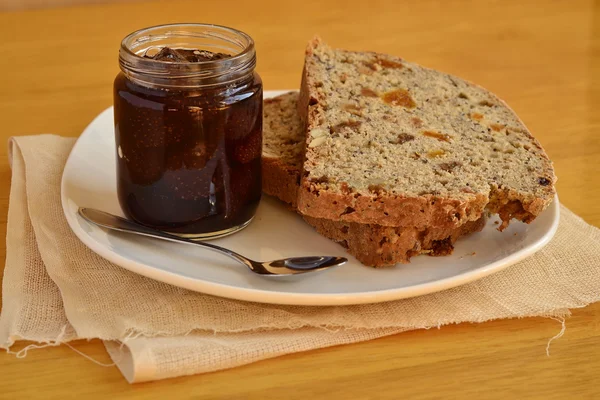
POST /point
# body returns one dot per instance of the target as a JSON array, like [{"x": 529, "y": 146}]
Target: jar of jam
[{"x": 188, "y": 129}]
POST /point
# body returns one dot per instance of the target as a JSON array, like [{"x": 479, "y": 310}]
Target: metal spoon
[{"x": 286, "y": 266}]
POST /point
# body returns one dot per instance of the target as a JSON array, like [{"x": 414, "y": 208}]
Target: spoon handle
[{"x": 116, "y": 223}]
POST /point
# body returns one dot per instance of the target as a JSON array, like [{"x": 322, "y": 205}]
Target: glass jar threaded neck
[{"x": 212, "y": 38}]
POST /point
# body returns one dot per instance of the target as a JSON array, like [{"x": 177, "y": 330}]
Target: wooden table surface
[{"x": 543, "y": 57}]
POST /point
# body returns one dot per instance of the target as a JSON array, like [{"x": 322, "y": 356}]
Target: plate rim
[{"x": 284, "y": 298}]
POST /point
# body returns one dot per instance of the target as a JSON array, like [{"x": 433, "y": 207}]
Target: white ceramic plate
[{"x": 89, "y": 181}]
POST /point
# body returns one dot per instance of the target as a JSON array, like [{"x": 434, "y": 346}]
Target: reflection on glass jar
[{"x": 188, "y": 126}]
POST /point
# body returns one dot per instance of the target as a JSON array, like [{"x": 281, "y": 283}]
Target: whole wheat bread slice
[
  {"x": 373, "y": 245},
  {"x": 283, "y": 148},
  {"x": 392, "y": 143}
]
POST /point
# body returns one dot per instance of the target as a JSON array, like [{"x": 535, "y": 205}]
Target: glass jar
[{"x": 189, "y": 134}]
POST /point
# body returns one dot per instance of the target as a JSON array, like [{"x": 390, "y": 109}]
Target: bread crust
[
  {"x": 389, "y": 210},
  {"x": 280, "y": 180},
  {"x": 381, "y": 246}
]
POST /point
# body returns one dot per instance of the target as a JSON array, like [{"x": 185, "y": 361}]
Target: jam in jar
[{"x": 188, "y": 129}]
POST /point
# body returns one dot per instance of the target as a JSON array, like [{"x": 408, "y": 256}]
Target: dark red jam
[{"x": 188, "y": 159}]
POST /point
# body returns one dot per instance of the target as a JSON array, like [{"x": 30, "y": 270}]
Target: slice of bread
[
  {"x": 392, "y": 143},
  {"x": 283, "y": 148},
  {"x": 373, "y": 245}
]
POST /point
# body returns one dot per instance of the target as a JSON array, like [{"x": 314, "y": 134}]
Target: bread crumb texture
[{"x": 381, "y": 128}]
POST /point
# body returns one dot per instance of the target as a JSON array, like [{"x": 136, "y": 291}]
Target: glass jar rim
[{"x": 134, "y": 45}]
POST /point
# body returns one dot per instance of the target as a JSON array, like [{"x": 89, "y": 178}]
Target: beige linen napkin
[{"x": 55, "y": 290}]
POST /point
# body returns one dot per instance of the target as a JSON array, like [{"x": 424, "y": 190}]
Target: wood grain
[
  {"x": 12, "y": 5},
  {"x": 542, "y": 57}
]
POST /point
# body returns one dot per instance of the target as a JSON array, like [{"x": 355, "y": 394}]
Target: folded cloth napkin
[{"x": 55, "y": 290}]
